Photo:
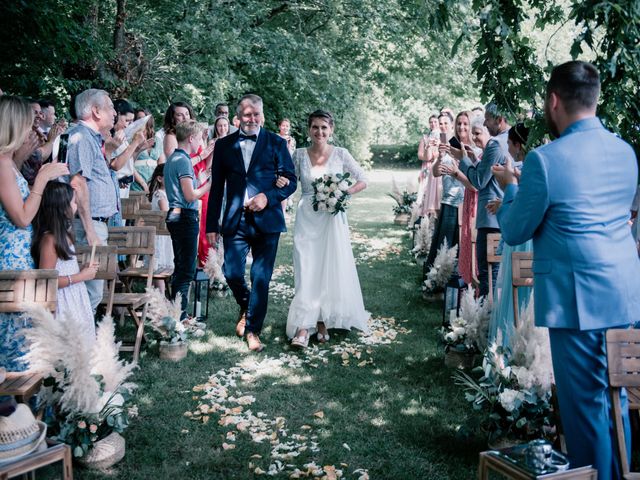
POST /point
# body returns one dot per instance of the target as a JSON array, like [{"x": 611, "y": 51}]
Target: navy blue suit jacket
[{"x": 270, "y": 159}]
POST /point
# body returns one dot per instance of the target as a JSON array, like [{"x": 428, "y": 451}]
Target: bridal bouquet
[{"x": 330, "y": 193}]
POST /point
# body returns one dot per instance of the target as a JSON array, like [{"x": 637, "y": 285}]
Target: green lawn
[{"x": 396, "y": 416}]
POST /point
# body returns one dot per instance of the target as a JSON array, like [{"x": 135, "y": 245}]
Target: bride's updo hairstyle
[{"x": 322, "y": 115}]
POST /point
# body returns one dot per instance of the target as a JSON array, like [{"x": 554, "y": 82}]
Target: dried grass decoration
[
  {"x": 85, "y": 382},
  {"x": 443, "y": 267},
  {"x": 213, "y": 269}
]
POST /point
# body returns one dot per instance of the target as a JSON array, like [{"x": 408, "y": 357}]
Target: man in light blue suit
[{"x": 573, "y": 200}]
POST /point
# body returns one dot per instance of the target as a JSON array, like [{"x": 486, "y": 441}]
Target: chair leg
[
  {"x": 490, "y": 270},
  {"x": 139, "y": 332},
  {"x": 515, "y": 306}
]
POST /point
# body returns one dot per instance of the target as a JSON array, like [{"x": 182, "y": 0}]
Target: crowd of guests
[
  {"x": 459, "y": 194},
  {"x": 62, "y": 185}
]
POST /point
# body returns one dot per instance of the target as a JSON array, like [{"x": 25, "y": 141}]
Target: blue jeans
[
  {"x": 183, "y": 228},
  {"x": 95, "y": 288}
]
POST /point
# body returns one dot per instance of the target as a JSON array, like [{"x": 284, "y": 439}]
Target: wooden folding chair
[
  {"x": 493, "y": 242},
  {"x": 156, "y": 219},
  {"x": 134, "y": 242},
  {"x": 107, "y": 259},
  {"x": 130, "y": 207},
  {"x": 143, "y": 199},
  {"x": 623, "y": 359},
  {"x": 17, "y": 288},
  {"x": 521, "y": 276}
]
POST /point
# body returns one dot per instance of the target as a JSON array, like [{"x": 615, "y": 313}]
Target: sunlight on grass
[
  {"x": 217, "y": 343},
  {"x": 417, "y": 408},
  {"x": 378, "y": 422}
]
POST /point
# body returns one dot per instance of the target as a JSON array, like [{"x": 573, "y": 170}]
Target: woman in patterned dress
[{"x": 18, "y": 207}]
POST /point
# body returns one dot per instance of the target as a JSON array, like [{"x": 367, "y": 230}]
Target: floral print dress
[{"x": 15, "y": 254}]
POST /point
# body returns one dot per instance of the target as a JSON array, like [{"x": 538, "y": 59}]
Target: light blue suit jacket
[{"x": 573, "y": 200}]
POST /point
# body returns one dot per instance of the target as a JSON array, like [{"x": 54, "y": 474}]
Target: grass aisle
[{"x": 382, "y": 407}]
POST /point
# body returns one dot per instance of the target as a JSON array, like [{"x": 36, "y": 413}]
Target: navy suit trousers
[{"x": 264, "y": 247}]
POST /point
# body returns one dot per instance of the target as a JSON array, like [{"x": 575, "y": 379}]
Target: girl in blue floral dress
[{"x": 18, "y": 207}]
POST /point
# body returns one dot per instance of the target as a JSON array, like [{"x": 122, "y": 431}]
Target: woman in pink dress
[
  {"x": 430, "y": 187},
  {"x": 467, "y": 261}
]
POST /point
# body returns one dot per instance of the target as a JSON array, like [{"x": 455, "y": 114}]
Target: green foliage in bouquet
[{"x": 514, "y": 410}]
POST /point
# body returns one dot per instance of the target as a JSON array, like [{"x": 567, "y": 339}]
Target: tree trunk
[{"x": 119, "y": 30}]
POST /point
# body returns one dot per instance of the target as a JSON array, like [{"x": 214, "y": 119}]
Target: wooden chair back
[
  {"x": 133, "y": 240},
  {"x": 107, "y": 258},
  {"x": 521, "y": 276},
  {"x": 18, "y": 287},
  {"x": 623, "y": 365},
  {"x": 153, "y": 218},
  {"x": 142, "y": 198},
  {"x": 130, "y": 207},
  {"x": 493, "y": 242}
]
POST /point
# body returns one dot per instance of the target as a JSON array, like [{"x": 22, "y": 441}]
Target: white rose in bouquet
[
  {"x": 343, "y": 186},
  {"x": 333, "y": 187},
  {"x": 320, "y": 196},
  {"x": 338, "y": 194},
  {"x": 332, "y": 201},
  {"x": 334, "y": 178},
  {"x": 326, "y": 189}
]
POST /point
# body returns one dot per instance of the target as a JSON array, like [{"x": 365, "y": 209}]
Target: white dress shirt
[{"x": 247, "y": 147}]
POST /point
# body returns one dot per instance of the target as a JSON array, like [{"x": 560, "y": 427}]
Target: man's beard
[{"x": 551, "y": 125}]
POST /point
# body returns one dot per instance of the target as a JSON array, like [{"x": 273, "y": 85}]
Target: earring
[
  {"x": 330, "y": 140},
  {"x": 308, "y": 139}
]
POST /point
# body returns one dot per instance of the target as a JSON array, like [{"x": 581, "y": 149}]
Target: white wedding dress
[{"x": 327, "y": 288}]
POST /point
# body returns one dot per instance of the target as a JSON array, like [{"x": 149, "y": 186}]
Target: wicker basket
[
  {"x": 173, "y": 351},
  {"x": 402, "y": 219},
  {"x": 105, "y": 453},
  {"x": 461, "y": 360}
]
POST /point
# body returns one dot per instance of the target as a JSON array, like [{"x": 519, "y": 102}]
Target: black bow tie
[{"x": 243, "y": 137}]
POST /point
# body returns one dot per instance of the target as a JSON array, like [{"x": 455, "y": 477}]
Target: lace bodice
[{"x": 340, "y": 161}]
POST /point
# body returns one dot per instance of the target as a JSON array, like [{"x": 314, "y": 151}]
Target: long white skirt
[{"x": 327, "y": 288}]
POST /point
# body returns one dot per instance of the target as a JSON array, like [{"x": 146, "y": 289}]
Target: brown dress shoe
[
  {"x": 242, "y": 322},
  {"x": 254, "y": 343}
]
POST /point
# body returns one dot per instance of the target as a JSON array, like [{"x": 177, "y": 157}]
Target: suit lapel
[
  {"x": 237, "y": 151},
  {"x": 260, "y": 144}
]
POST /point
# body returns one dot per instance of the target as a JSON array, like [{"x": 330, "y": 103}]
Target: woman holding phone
[{"x": 453, "y": 183}]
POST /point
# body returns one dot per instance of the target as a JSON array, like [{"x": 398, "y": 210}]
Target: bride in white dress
[{"x": 327, "y": 289}]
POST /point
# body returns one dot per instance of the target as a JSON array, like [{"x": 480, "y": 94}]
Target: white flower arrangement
[
  {"x": 331, "y": 193},
  {"x": 443, "y": 267},
  {"x": 163, "y": 316},
  {"x": 424, "y": 234},
  {"x": 515, "y": 388},
  {"x": 85, "y": 382},
  {"x": 405, "y": 199},
  {"x": 213, "y": 268},
  {"x": 468, "y": 332}
]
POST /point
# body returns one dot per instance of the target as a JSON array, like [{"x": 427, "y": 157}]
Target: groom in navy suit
[
  {"x": 573, "y": 200},
  {"x": 250, "y": 161}
]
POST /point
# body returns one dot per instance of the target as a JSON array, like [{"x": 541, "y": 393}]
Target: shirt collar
[
  {"x": 585, "y": 124},
  {"x": 257, "y": 134}
]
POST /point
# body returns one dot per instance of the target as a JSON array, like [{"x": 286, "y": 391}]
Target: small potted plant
[
  {"x": 85, "y": 387},
  {"x": 405, "y": 201},
  {"x": 163, "y": 316}
]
